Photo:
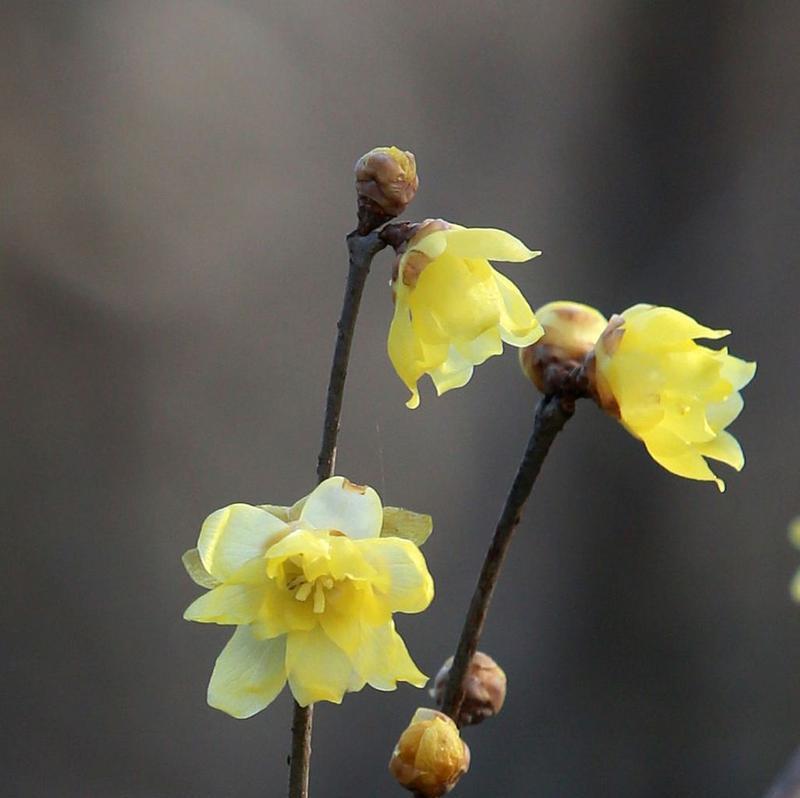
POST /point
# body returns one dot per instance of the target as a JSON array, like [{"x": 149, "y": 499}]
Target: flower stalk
[
  {"x": 552, "y": 413},
  {"x": 362, "y": 250}
]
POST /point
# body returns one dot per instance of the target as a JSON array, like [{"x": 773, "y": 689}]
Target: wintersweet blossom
[
  {"x": 673, "y": 394},
  {"x": 452, "y": 309},
  {"x": 311, "y": 589}
]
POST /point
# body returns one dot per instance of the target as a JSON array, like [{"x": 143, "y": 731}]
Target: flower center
[{"x": 303, "y": 590}]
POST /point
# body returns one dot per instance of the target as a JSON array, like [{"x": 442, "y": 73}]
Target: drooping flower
[
  {"x": 452, "y": 309},
  {"x": 311, "y": 589},
  {"x": 430, "y": 756},
  {"x": 673, "y": 394}
]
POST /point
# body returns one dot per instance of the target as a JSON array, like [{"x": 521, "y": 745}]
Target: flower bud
[
  {"x": 430, "y": 756},
  {"x": 570, "y": 333},
  {"x": 484, "y": 689},
  {"x": 386, "y": 181}
]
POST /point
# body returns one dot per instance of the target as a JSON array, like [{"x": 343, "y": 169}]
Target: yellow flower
[
  {"x": 673, "y": 394},
  {"x": 452, "y": 309},
  {"x": 430, "y": 756},
  {"x": 794, "y": 538},
  {"x": 311, "y": 590}
]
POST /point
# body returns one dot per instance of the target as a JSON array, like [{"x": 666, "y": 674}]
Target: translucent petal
[
  {"x": 340, "y": 504},
  {"x": 460, "y": 294},
  {"x": 680, "y": 458},
  {"x": 455, "y": 372},
  {"x": 403, "y": 578},
  {"x": 724, "y": 448},
  {"x": 405, "y": 351},
  {"x": 480, "y": 349},
  {"x": 737, "y": 372},
  {"x": 317, "y": 669},
  {"x": 518, "y": 324},
  {"x": 196, "y": 570},
  {"x": 227, "y": 604},
  {"x": 248, "y": 675},
  {"x": 400, "y": 523},
  {"x": 487, "y": 243},
  {"x": 233, "y": 535},
  {"x": 661, "y": 328},
  {"x": 383, "y": 660}
]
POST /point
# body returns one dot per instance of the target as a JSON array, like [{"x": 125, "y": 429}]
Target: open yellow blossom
[
  {"x": 672, "y": 393},
  {"x": 452, "y": 310},
  {"x": 311, "y": 590}
]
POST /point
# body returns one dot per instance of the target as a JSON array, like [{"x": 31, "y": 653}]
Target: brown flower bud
[
  {"x": 430, "y": 756},
  {"x": 570, "y": 333},
  {"x": 484, "y": 689},
  {"x": 386, "y": 181}
]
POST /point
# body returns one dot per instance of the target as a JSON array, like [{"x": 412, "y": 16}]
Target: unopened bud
[
  {"x": 386, "y": 181},
  {"x": 430, "y": 756},
  {"x": 570, "y": 333},
  {"x": 484, "y": 688}
]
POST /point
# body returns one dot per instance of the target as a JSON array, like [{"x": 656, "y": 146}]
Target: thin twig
[
  {"x": 362, "y": 250},
  {"x": 787, "y": 784},
  {"x": 552, "y": 413}
]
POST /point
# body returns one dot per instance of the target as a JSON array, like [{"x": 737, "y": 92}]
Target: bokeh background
[{"x": 176, "y": 185}]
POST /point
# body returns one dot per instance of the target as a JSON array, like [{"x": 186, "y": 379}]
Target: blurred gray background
[{"x": 176, "y": 184}]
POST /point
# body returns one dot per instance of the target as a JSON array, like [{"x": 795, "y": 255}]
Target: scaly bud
[
  {"x": 430, "y": 756},
  {"x": 484, "y": 689},
  {"x": 570, "y": 333},
  {"x": 386, "y": 181}
]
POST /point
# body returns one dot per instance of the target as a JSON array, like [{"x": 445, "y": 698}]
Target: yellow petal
[
  {"x": 662, "y": 327},
  {"x": 196, "y": 570},
  {"x": 724, "y": 448},
  {"x": 794, "y": 531},
  {"x": 233, "y": 535},
  {"x": 455, "y": 372},
  {"x": 340, "y": 504},
  {"x": 457, "y": 296},
  {"x": 737, "y": 372},
  {"x": 518, "y": 324},
  {"x": 383, "y": 660},
  {"x": 487, "y": 243},
  {"x": 403, "y": 578},
  {"x": 248, "y": 675},
  {"x": 317, "y": 669},
  {"x": 405, "y": 351},
  {"x": 400, "y": 523},
  {"x": 680, "y": 458},
  {"x": 227, "y": 604}
]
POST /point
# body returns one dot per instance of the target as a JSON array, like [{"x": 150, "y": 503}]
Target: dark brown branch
[
  {"x": 552, "y": 413},
  {"x": 787, "y": 785},
  {"x": 362, "y": 250}
]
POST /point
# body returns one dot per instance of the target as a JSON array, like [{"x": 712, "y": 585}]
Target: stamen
[
  {"x": 304, "y": 591},
  {"x": 319, "y": 596}
]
